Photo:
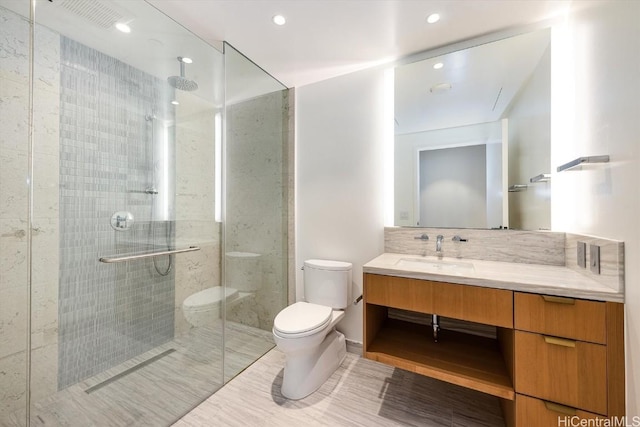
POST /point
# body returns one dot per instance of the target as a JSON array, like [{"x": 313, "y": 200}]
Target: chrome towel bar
[
  {"x": 148, "y": 255},
  {"x": 543, "y": 177},
  {"x": 582, "y": 160},
  {"x": 517, "y": 187}
]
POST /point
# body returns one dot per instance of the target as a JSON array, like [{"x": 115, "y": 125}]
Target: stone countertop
[{"x": 534, "y": 278}]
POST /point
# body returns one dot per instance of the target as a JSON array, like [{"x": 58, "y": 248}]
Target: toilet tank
[
  {"x": 243, "y": 271},
  {"x": 327, "y": 283}
]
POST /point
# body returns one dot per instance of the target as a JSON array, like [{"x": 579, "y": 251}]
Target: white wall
[
  {"x": 339, "y": 177},
  {"x": 340, "y": 145},
  {"x": 406, "y": 148},
  {"x": 595, "y": 110},
  {"x": 529, "y": 146},
  {"x": 453, "y": 187}
]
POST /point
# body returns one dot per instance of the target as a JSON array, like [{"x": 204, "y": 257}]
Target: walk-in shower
[{"x": 120, "y": 199}]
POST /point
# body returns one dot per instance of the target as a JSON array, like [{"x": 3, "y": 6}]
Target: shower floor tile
[
  {"x": 143, "y": 392},
  {"x": 360, "y": 393}
]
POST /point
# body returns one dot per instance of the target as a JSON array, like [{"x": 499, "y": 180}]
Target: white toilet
[
  {"x": 305, "y": 331},
  {"x": 243, "y": 277}
]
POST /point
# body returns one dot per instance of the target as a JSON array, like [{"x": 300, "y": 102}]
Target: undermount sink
[{"x": 431, "y": 264}]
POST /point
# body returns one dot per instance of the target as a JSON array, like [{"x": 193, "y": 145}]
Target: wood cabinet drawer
[
  {"x": 571, "y": 373},
  {"x": 398, "y": 292},
  {"x": 561, "y": 317},
  {"x": 531, "y": 412},
  {"x": 471, "y": 303}
]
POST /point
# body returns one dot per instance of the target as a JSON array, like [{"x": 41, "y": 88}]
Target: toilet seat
[
  {"x": 208, "y": 298},
  {"x": 301, "y": 319}
]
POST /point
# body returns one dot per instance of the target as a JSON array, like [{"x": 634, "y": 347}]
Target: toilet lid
[
  {"x": 323, "y": 264},
  {"x": 302, "y": 317},
  {"x": 209, "y": 297}
]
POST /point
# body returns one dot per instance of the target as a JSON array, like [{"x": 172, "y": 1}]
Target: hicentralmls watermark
[{"x": 576, "y": 421}]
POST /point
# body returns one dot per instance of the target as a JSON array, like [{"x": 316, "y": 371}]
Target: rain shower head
[{"x": 181, "y": 82}]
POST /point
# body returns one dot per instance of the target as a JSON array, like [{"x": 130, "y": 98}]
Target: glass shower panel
[
  {"x": 256, "y": 210},
  {"x": 14, "y": 207},
  {"x": 123, "y": 166}
]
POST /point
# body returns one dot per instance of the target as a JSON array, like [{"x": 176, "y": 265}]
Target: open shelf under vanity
[{"x": 460, "y": 358}]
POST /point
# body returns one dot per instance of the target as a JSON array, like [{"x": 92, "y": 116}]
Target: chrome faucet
[{"x": 439, "y": 240}]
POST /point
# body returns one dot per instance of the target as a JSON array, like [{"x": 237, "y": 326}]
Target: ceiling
[
  {"x": 328, "y": 38},
  {"x": 481, "y": 83}
]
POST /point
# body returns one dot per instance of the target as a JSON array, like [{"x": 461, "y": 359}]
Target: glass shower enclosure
[{"x": 144, "y": 213}]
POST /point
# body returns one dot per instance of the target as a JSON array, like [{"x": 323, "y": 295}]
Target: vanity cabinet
[
  {"x": 569, "y": 372},
  {"x": 569, "y": 357},
  {"x": 467, "y": 360},
  {"x": 445, "y": 299},
  {"x": 561, "y": 317},
  {"x": 534, "y": 412},
  {"x": 552, "y": 356}
]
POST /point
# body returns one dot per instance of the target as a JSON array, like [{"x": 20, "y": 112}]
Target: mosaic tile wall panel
[{"x": 108, "y": 313}]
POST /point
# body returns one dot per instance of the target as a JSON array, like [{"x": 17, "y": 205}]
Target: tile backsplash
[
  {"x": 529, "y": 247},
  {"x": 611, "y": 259}
]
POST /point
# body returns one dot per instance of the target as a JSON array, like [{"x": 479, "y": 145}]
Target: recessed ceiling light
[
  {"x": 279, "y": 20},
  {"x": 438, "y": 65},
  {"x": 433, "y": 18},
  {"x": 174, "y": 102},
  {"x": 123, "y": 27},
  {"x": 187, "y": 60},
  {"x": 440, "y": 88}
]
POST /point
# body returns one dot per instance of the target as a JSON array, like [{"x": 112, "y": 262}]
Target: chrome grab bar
[{"x": 148, "y": 255}]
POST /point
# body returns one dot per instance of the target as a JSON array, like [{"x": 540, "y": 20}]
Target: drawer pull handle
[
  {"x": 560, "y": 341},
  {"x": 555, "y": 407},
  {"x": 558, "y": 300}
]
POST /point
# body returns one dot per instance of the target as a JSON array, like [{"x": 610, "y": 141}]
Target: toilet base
[{"x": 305, "y": 373}]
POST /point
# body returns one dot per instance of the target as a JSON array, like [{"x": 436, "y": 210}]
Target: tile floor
[
  {"x": 361, "y": 393},
  {"x": 158, "y": 393}
]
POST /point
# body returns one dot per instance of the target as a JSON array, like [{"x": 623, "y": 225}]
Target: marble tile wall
[
  {"x": 290, "y": 156},
  {"x": 14, "y": 128},
  {"x": 257, "y": 200},
  {"x": 108, "y": 313},
  {"x": 530, "y": 247},
  {"x": 195, "y": 220},
  {"x": 611, "y": 259},
  {"x": 14, "y": 139}
]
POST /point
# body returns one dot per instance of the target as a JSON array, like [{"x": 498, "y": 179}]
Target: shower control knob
[{"x": 121, "y": 220}]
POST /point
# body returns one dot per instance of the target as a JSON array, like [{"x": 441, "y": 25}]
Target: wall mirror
[{"x": 472, "y": 136}]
